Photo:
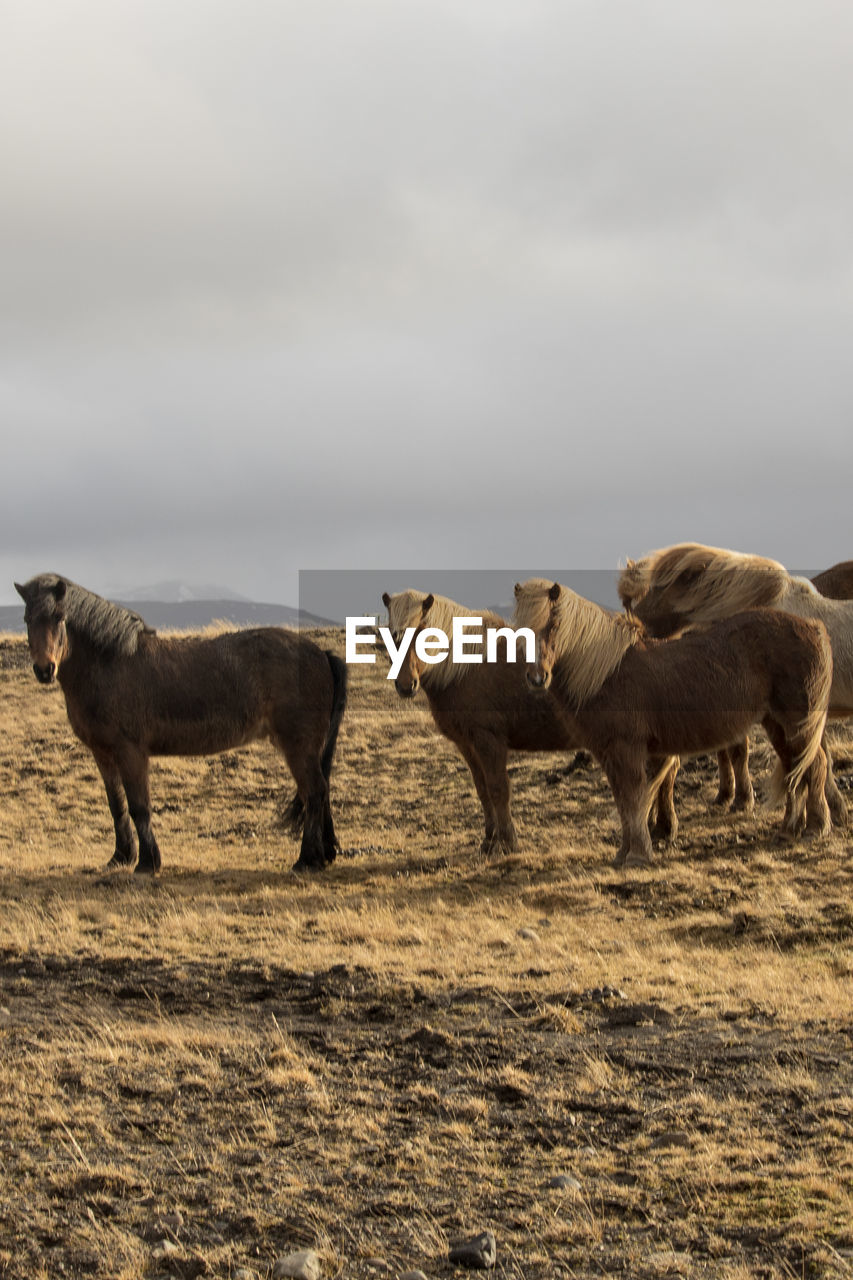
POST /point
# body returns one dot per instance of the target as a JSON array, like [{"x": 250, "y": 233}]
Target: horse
[
  {"x": 485, "y": 709},
  {"x": 131, "y": 694},
  {"x": 837, "y": 581},
  {"x": 690, "y": 583},
  {"x": 633, "y": 700}
]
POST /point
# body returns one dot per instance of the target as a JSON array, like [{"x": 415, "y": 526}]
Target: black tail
[{"x": 294, "y": 814}]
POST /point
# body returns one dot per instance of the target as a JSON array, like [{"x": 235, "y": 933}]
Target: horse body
[
  {"x": 131, "y": 694},
  {"x": 485, "y": 709},
  {"x": 837, "y": 581},
  {"x": 690, "y": 583},
  {"x": 651, "y": 700}
]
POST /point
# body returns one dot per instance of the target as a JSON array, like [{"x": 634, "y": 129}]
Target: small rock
[
  {"x": 669, "y": 1260},
  {"x": 479, "y": 1252},
  {"x": 303, "y": 1265},
  {"x": 413, "y": 1275},
  {"x": 528, "y": 934},
  {"x": 172, "y": 1221},
  {"x": 673, "y": 1138},
  {"x": 164, "y": 1249},
  {"x": 564, "y": 1182},
  {"x": 243, "y": 1273}
]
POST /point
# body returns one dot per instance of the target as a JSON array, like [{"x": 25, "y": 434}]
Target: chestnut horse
[
  {"x": 630, "y": 699},
  {"x": 132, "y": 694},
  {"x": 690, "y": 583},
  {"x": 485, "y": 709},
  {"x": 837, "y": 581}
]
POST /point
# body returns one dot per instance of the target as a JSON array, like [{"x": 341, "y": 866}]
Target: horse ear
[
  {"x": 22, "y": 591},
  {"x": 429, "y": 601},
  {"x": 517, "y": 590},
  {"x": 386, "y": 599},
  {"x": 59, "y": 590},
  {"x": 554, "y": 593}
]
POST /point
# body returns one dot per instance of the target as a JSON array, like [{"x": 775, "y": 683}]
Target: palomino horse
[
  {"x": 690, "y": 583},
  {"x": 131, "y": 694},
  {"x": 630, "y": 699},
  {"x": 486, "y": 709}
]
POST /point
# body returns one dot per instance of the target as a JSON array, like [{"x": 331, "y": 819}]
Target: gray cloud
[{"x": 297, "y": 286}]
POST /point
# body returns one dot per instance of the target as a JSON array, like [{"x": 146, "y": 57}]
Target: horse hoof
[
  {"x": 839, "y": 815},
  {"x": 117, "y": 863},
  {"x": 638, "y": 860},
  {"x": 663, "y": 835},
  {"x": 302, "y": 866}
]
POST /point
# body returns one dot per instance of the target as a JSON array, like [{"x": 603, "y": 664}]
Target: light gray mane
[{"x": 109, "y": 627}]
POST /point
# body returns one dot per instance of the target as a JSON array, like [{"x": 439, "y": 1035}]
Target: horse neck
[
  {"x": 436, "y": 677},
  {"x": 81, "y": 652},
  {"x": 592, "y": 652}
]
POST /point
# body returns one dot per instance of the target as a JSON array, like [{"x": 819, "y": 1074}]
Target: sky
[{"x": 413, "y": 284}]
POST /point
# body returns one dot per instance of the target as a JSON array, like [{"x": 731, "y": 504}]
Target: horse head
[
  {"x": 46, "y": 631},
  {"x": 540, "y": 671},
  {"x": 408, "y": 679}
]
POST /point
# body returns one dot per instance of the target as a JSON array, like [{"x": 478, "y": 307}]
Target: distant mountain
[{"x": 175, "y": 591}]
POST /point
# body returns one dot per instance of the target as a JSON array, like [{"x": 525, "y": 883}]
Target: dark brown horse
[
  {"x": 629, "y": 699},
  {"x": 131, "y": 694},
  {"x": 837, "y": 581},
  {"x": 486, "y": 709}
]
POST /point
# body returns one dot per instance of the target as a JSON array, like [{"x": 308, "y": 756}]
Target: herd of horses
[{"x": 710, "y": 643}]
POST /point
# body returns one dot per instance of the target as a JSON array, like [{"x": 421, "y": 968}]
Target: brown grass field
[{"x": 411, "y": 1047}]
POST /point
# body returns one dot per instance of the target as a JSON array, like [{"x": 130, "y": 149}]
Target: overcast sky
[{"x": 410, "y": 283}]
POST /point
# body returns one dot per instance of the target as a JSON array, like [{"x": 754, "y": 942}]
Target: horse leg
[
  {"x": 125, "y": 850},
  {"x": 492, "y": 754},
  {"x": 302, "y": 745},
  {"x": 818, "y": 818},
  {"x": 319, "y": 845},
  {"x": 627, "y": 777},
  {"x": 794, "y": 819},
  {"x": 835, "y": 800},
  {"x": 807, "y": 809},
  {"x": 744, "y": 796},
  {"x": 726, "y": 787},
  {"x": 472, "y": 759},
  {"x": 133, "y": 765},
  {"x": 665, "y": 825}
]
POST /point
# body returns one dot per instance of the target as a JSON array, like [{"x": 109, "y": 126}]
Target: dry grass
[{"x": 410, "y": 1047}]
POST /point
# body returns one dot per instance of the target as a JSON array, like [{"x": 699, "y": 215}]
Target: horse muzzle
[
  {"x": 45, "y": 674},
  {"x": 538, "y": 679},
  {"x": 407, "y": 691}
]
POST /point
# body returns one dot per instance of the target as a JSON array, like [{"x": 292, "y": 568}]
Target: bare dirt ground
[{"x": 202, "y": 1073}]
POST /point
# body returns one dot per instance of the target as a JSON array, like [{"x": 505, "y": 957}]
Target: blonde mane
[
  {"x": 406, "y": 610},
  {"x": 590, "y": 642},
  {"x": 697, "y": 578}
]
